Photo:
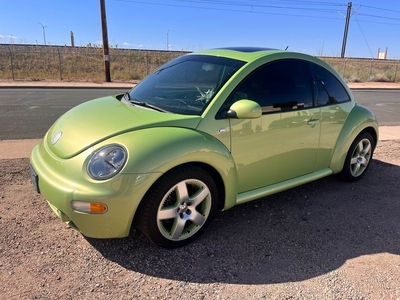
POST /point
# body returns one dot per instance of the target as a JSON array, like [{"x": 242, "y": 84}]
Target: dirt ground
[{"x": 325, "y": 240}]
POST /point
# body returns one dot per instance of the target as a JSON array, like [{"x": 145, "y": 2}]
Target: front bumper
[{"x": 62, "y": 181}]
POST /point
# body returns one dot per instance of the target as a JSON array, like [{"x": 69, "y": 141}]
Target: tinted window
[
  {"x": 277, "y": 86},
  {"x": 329, "y": 88}
]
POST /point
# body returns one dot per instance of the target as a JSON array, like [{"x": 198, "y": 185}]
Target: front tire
[
  {"x": 179, "y": 207},
  {"x": 359, "y": 157}
]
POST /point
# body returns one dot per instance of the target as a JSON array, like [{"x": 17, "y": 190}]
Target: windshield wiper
[
  {"x": 127, "y": 99},
  {"x": 148, "y": 105}
]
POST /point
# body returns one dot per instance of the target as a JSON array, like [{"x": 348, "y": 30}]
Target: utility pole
[
  {"x": 72, "y": 40},
  {"x": 346, "y": 28},
  {"x": 105, "y": 41}
]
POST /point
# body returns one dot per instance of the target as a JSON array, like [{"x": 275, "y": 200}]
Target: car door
[
  {"x": 283, "y": 143},
  {"x": 335, "y": 105}
]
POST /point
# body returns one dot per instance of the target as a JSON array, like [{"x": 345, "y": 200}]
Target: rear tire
[
  {"x": 358, "y": 158},
  {"x": 179, "y": 207}
]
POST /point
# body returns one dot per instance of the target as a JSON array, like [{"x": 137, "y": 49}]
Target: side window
[
  {"x": 277, "y": 86},
  {"x": 329, "y": 88}
]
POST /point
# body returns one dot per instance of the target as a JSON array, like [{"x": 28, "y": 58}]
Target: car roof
[
  {"x": 248, "y": 54},
  {"x": 242, "y": 53}
]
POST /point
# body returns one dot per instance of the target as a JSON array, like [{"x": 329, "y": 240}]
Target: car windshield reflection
[{"x": 187, "y": 84}]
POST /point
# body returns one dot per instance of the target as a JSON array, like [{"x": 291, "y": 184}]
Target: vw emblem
[{"x": 56, "y": 137}]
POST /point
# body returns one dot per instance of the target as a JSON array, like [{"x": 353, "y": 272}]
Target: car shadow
[{"x": 291, "y": 236}]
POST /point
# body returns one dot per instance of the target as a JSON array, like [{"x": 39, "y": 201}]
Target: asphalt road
[
  {"x": 28, "y": 113},
  {"x": 384, "y": 103}
]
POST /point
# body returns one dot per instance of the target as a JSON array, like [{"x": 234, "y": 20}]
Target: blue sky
[{"x": 313, "y": 27}]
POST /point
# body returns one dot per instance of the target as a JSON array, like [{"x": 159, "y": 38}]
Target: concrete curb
[
  {"x": 12, "y": 149},
  {"x": 63, "y": 85}
]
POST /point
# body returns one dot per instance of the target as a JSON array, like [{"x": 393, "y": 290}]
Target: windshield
[{"x": 185, "y": 85}]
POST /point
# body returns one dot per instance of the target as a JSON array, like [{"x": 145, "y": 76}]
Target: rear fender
[{"x": 359, "y": 120}]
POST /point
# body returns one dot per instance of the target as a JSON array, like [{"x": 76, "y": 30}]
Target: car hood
[{"x": 94, "y": 121}]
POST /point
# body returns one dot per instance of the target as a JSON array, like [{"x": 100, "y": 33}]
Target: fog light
[{"x": 89, "y": 207}]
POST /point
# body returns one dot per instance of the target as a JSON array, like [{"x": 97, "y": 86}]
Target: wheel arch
[
  {"x": 373, "y": 133},
  {"x": 216, "y": 176},
  {"x": 359, "y": 121},
  {"x": 157, "y": 151}
]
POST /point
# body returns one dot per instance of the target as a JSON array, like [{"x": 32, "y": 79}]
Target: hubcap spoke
[
  {"x": 360, "y": 146},
  {"x": 197, "y": 218},
  {"x": 356, "y": 169},
  {"x": 363, "y": 161},
  {"x": 177, "y": 228},
  {"x": 168, "y": 213},
  {"x": 197, "y": 199},
  {"x": 367, "y": 148},
  {"x": 354, "y": 160},
  {"x": 182, "y": 190}
]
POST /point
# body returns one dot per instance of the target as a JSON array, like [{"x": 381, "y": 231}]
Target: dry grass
[
  {"x": 35, "y": 63},
  {"x": 362, "y": 70}
]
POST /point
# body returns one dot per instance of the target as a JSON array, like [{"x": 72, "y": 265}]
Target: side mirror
[{"x": 244, "y": 109}]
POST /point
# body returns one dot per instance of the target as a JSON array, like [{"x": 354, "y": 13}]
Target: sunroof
[{"x": 246, "y": 49}]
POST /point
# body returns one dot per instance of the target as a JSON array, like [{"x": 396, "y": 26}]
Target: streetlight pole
[
  {"x": 321, "y": 53},
  {"x": 322, "y": 50},
  {"x": 44, "y": 33},
  {"x": 168, "y": 40}
]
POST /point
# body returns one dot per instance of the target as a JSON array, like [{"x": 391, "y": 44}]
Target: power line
[
  {"x": 374, "y": 22},
  {"x": 380, "y": 8},
  {"x": 251, "y": 9},
  {"x": 252, "y": 6},
  {"x": 365, "y": 39},
  {"x": 381, "y": 17}
]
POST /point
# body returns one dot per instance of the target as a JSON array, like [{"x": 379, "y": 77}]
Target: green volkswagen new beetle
[{"x": 202, "y": 133}]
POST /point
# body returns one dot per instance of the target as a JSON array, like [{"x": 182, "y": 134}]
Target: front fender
[
  {"x": 158, "y": 150},
  {"x": 359, "y": 119}
]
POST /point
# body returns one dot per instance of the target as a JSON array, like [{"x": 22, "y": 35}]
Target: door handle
[{"x": 313, "y": 122}]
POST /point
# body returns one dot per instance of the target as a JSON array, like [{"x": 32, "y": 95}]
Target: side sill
[{"x": 281, "y": 186}]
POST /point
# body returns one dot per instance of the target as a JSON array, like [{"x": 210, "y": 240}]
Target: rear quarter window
[{"x": 329, "y": 89}]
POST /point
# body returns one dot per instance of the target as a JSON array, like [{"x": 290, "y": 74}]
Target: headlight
[{"x": 107, "y": 162}]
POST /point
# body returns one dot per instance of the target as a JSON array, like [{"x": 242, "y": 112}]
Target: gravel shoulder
[{"x": 325, "y": 240}]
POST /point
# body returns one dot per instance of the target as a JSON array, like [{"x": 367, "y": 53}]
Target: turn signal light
[
  {"x": 98, "y": 208},
  {"x": 89, "y": 207}
]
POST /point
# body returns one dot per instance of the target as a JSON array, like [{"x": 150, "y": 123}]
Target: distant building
[{"x": 382, "y": 55}]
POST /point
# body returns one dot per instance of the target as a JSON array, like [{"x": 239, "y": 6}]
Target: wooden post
[{"x": 106, "y": 53}]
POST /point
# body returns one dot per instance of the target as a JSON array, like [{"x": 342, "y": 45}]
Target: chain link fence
[
  {"x": 362, "y": 70},
  {"x": 36, "y": 63}
]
